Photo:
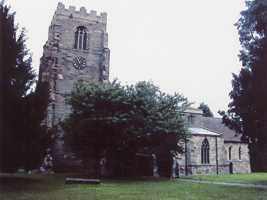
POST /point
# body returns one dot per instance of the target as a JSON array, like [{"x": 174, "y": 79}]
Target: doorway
[{"x": 231, "y": 168}]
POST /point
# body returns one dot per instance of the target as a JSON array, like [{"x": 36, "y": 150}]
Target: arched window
[
  {"x": 80, "y": 39},
  {"x": 239, "y": 153},
  {"x": 230, "y": 152},
  {"x": 205, "y": 152}
]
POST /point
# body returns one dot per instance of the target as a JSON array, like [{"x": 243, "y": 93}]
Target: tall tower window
[
  {"x": 80, "y": 39},
  {"x": 205, "y": 152}
]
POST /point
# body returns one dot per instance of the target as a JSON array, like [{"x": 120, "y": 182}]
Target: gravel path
[{"x": 246, "y": 185}]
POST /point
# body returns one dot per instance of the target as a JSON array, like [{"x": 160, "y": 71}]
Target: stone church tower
[{"x": 76, "y": 49}]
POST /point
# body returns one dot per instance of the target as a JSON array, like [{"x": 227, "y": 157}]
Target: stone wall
[
  {"x": 194, "y": 165},
  {"x": 240, "y": 164},
  {"x": 57, "y": 61}
]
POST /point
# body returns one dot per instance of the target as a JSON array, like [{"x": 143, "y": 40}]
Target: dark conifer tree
[
  {"x": 247, "y": 112},
  {"x": 22, "y": 107},
  {"x": 206, "y": 110}
]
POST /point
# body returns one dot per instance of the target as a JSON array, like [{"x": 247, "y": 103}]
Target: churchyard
[
  {"x": 254, "y": 178},
  {"x": 39, "y": 187},
  {"x": 70, "y": 116}
]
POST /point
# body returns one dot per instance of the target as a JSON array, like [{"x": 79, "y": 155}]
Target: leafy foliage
[
  {"x": 22, "y": 109},
  {"x": 247, "y": 112},
  {"x": 206, "y": 110},
  {"x": 118, "y": 121}
]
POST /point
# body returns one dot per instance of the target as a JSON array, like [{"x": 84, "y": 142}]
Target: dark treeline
[
  {"x": 23, "y": 103},
  {"x": 247, "y": 112}
]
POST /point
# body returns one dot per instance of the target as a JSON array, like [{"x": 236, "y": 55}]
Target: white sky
[{"x": 183, "y": 46}]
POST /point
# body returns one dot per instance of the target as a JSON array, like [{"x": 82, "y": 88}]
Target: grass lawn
[
  {"x": 52, "y": 187},
  {"x": 253, "y": 178}
]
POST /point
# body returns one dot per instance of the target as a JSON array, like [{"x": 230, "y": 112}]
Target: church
[
  {"x": 212, "y": 148},
  {"x": 77, "y": 50}
]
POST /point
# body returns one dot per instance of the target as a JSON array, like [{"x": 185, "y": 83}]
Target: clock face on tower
[{"x": 79, "y": 63}]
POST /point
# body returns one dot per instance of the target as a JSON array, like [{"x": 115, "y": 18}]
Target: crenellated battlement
[{"x": 82, "y": 13}]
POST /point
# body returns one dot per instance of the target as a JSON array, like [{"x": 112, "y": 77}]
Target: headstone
[
  {"x": 155, "y": 166},
  {"x": 47, "y": 165},
  {"x": 174, "y": 165}
]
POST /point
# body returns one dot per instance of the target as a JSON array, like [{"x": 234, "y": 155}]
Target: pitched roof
[
  {"x": 216, "y": 125},
  {"x": 202, "y": 131},
  {"x": 193, "y": 111}
]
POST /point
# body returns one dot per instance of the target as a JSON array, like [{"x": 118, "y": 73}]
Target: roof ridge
[
  {"x": 205, "y": 129},
  {"x": 211, "y": 130}
]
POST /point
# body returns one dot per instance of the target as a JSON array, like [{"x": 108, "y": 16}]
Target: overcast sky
[{"x": 190, "y": 47}]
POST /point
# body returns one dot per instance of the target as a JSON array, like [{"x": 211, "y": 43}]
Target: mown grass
[
  {"x": 52, "y": 187},
  {"x": 253, "y": 178}
]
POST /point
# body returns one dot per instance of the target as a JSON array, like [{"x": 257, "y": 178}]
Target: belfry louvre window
[
  {"x": 80, "y": 39},
  {"x": 205, "y": 152}
]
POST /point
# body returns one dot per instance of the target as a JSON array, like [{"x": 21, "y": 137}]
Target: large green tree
[
  {"x": 118, "y": 121},
  {"x": 22, "y": 107},
  {"x": 247, "y": 112}
]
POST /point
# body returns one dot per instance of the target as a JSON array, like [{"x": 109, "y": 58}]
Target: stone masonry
[
  {"x": 227, "y": 153},
  {"x": 76, "y": 50}
]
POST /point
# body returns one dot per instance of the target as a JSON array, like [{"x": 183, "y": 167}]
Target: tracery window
[
  {"x": 230, "y": 153},
  {"x": 80, "y": 39},
  {"x": 205, "y": 152}
]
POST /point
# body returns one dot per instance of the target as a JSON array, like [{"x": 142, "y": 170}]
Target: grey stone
[
  {"x": 226, "y": 138},
  {"x": 57, "y": 66},
  {"x": 155, "y": 166}
]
